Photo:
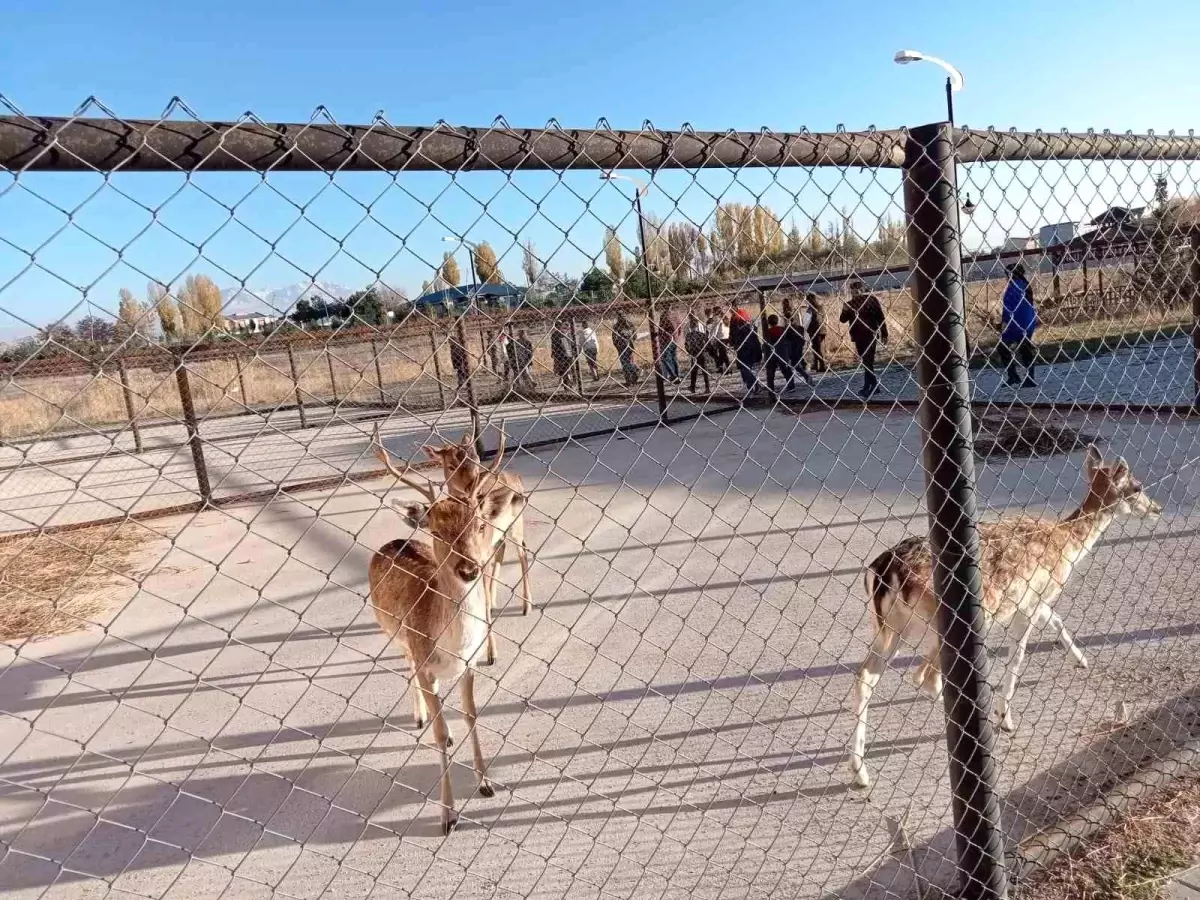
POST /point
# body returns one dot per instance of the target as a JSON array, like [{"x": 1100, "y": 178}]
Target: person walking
[
  {"x": 510, "y": 356},
  {"x": 1018, "y": 324},
  {"x": 460, "y": 360},
  {"x": 560, "y": 353},
  {"x": 747, "y": 349},
  {"x": 524, "y": 355},
  {"x": 695, "y": 344},
  {"x": 814, "y": 324},
  {"x": 591, "y": 350},
  {"x": 793, "y": 349},
  {"x": 718, "y": 341},
  {"x": 623, "y": 337},
  {"x": 668, "y": 347},
  {"x": 867, "y": 324},
  {"x": 775, "y": 352}
]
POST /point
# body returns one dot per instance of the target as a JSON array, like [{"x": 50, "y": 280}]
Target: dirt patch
[
  {"x": 1133, "y": 860},
  {"x": 1026, "y": 434},
  {"x": 56, "y": 584}
]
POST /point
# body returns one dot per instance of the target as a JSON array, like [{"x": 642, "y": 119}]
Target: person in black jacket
[
  {"x": 868, "y": 328},
  {"x": 793, "y": 347},
  {"x": 814, "y": 324}
]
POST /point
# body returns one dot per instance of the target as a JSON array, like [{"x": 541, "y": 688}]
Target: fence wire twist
[{"x": 249, "y": 514}]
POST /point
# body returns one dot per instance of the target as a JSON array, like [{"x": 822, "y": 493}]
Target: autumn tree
[
  {"x": 133, "y": 317},
  {"x": 449, "y": 272},
  {"x": 487, "y": 266},
  {"x": 200, "y": 306},
  {"x": 531, "y": 266},
  {"x": 167, "y": 311},
  {"x": 95, "y": 329},
  {"x": 614, "y": 255}
]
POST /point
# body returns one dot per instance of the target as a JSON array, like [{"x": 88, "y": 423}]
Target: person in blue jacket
[{"x": 1018, "y": 324}]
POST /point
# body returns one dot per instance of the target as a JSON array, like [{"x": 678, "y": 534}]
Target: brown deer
[
  {"x": 430, "y": 599},
  {"x": 466, "y": 476},
  {"x": 1025, "y": 564}
]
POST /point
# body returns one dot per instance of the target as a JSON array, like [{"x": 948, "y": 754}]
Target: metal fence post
[
  {"x": 931, "y": 204},
  {"x": 378, "y": 372},
  {"x": 192, "y": 425},
  {"x": 128, "y": 392},
  {"x": 437, "y": 367},
  {"x": 296, "y": 384},
  {"x": 332, "y": 380},
  {"x": 1194, "y": 270},
  {"x": 241, "y": 377}
]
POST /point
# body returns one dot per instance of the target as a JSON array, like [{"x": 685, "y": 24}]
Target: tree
[
  {"x": 449, "y": 272},
  {"x": 366, "y": 307},
  {"x": 614, "y": 256},
  {"x": 426, "y": 288},
  {"x": 95, "y": 329},
  {"x": 200, "y": 306},
  {"x": 795, "y": 242},
  {"x": 487, "y": 267},
  {"x": 596, "y": 282},
  {"x": 531, "y": 266},
  {"x": 133, "y": 317},
  {"x": 168, "y": 313}
]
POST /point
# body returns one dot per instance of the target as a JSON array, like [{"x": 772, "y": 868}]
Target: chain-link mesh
[{"x": 219, "y": 604}]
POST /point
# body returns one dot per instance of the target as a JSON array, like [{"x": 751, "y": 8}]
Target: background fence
[{"x": 197, "y": 696}]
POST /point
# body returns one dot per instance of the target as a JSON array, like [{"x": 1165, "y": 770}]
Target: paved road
[{"x": 669, "y": 722}]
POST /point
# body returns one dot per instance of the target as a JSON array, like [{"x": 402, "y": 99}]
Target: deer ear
[
  {"x": 434, "y": 453},
  {"x": 1122, "y": 466},
  {"x": 415, "y": 514},
  {"x": 1094, "y": 459}
]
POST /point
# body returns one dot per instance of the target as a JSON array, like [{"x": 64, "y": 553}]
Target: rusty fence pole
[
  {"x": 1194, "y": 270},
  {"x": 576, "y": 352},
  {"x": 192, "y": 426},
  {"x": 129, "y": 409},
  {"x": 437, "y": 367},
  {"x": 296, "y": 384},
  {"x": 378, "y": 372},
  {"x": 332, "y": 380},
  {"x": 241, "y": 377},
  {"x": 935, "y": 250}
]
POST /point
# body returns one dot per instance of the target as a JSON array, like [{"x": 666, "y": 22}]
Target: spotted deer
[
  {"x": 429, "y": 598},
  {"x": 465, "y": 476},
  {"x": 1025, "y": 564}
]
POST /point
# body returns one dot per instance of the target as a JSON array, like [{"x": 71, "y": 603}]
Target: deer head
[
  {"x": 465, "y": 475},
  {"x": 1113, "y": 488}
]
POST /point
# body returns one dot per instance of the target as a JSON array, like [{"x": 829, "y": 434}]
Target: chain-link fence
[{"x": 250, "y": 534}]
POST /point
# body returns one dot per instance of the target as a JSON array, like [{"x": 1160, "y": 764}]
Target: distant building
[
  {"x": 251, "y": 323},
  {"x": 1018, "y": 243},
  {"x": 1052, "y": 235}
]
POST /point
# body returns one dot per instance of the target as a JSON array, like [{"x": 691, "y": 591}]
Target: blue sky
[{"x": 1103, "y": 64}]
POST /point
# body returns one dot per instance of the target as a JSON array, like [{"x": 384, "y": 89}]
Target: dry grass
[
  {"x": 56, "y": 584},
  {"x": 1133, "y": 860}
]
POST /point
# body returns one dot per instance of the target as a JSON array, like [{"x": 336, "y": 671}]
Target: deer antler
[
  {"x": 495, "y": 466},
  {"x": 400, "y": 473}
]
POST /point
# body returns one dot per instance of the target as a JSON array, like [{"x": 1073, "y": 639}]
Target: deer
[
  {"x": 1025, "y": 564},
  {"x": 466, "y": 476},
  {"x": 429, "y": 598}
]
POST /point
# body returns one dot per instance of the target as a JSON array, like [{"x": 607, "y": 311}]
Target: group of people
[{"x": 717, "y": 343}]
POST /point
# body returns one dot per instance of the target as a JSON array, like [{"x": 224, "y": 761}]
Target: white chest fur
[{"x": 464, "y": 638}]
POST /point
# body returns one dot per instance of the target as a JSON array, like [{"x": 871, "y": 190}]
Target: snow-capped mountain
[{"x": 277, "y": 301}]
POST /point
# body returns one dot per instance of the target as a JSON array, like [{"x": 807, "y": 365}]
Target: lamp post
[
  {"x": 641, "y": 188},
  {"x": 954, "y": 78}
]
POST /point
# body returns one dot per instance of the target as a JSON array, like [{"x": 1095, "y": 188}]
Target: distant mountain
[{"x": 278, "y": 301}]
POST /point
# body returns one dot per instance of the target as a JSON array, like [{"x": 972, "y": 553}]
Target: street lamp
[
  {"x": 462, "y": 341},
  {"x": 641, "y": 188},
  {"x": 954, "y": 78}
]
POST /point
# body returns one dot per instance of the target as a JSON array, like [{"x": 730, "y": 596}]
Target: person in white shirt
[{"x": 591, "y": 350}]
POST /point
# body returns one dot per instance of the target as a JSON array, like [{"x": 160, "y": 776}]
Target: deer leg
[
  {"x": 883, "y": 646},
  {"x": 468, "y": 695},
  {"x": 489, "y": 603},
  {"x": 1008, "y": 686},
  {"x": 927, "y": 677},
  {"x": 523, "y": 556},
  {"x": 1065, "y": 640},
  {"x": 440, "y": 735}
]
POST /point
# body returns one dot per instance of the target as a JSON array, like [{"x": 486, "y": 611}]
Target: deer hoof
[
  {"x": 862, "y": 778},
  {"x": 420, "y": 724},
  {"x": 1007, "y": 725},
  {"x": 490, "y": 660},
  {"x": 486, "y": 789},
  {"x": 449, "y": 740},
  {"x": 449, "y": 823},
  {"x": 1082, "y": 662}
]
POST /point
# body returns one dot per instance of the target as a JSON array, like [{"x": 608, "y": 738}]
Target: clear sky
[{"x": 783, "y": 65}]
